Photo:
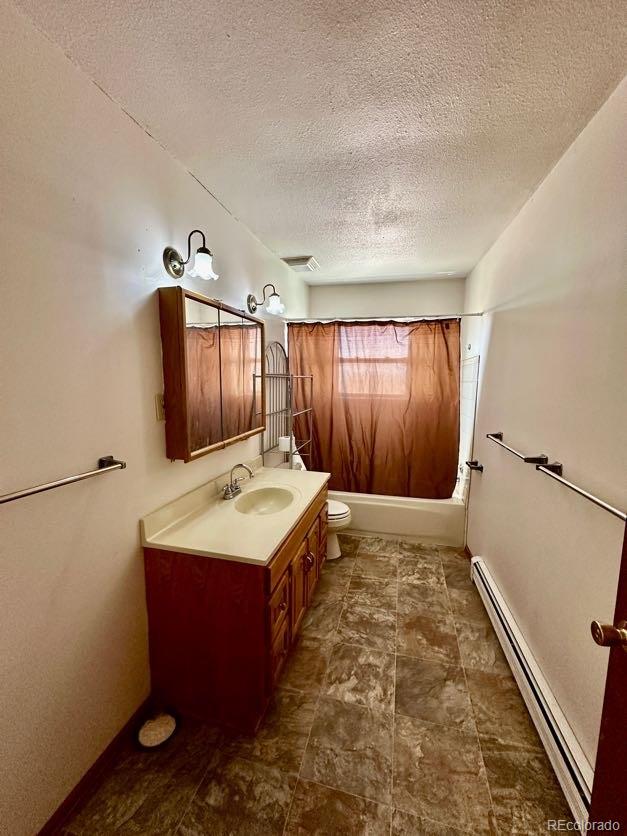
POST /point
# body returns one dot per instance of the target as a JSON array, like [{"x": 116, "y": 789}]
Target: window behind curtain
[
  {"x": 385, "y": 401},
  {"x": 372, "y": 365}
]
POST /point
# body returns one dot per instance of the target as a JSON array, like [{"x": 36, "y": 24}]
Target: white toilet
[{"x": 339, "y": 517}]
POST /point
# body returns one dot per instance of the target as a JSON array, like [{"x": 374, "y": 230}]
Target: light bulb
[
  {"x": 203, "y": 265},
  {"x": 274, "y": 304}
]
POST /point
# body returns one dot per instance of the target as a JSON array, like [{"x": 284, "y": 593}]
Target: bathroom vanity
[{"x": 228, "y": 583}]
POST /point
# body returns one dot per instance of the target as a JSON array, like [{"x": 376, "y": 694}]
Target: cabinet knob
[
  {"x": 283, "y": 606},
  {"x": 309, "y": 560}
]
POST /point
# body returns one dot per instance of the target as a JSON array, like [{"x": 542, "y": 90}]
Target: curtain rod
[{"x": 374, "y": 318}]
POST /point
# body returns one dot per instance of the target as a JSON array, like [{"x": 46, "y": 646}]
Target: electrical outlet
[{"x": 160, "y": 406}]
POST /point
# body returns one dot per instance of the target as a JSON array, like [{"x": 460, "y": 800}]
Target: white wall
[
  {"x": 88, "y": 201},
  {"x": 469, "y": 378},
  {"x": 424, "y": 296},
  {"x": 553, "y": 351}
]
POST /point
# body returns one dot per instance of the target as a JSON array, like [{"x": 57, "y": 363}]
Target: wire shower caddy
[{"x": 280, "y": 413}]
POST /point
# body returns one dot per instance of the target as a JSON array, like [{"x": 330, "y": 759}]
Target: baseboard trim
[
  {"x": 90, "y": 778},
  {"x": 567, "y": 758}
]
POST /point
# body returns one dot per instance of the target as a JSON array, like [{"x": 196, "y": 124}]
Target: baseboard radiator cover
[{"x": 569, "y": 762}]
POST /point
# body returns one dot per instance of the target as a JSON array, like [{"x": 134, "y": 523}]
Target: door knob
[{"x": 608, "y": 636}]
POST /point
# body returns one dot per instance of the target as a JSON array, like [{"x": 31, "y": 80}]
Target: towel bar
[{"x": 105, "y": 463}]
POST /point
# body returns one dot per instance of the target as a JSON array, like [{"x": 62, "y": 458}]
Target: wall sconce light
[
  {"x": 202, "y": 267},
  {"x": 272, "y": 302}
]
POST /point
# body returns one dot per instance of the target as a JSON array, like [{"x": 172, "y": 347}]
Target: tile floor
[{"x": 396, "y": 715}]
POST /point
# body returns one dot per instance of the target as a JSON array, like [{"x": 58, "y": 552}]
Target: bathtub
[{"x": 429, "y": 520}]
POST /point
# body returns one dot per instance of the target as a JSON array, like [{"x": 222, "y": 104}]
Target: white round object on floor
[{"x": 156, "y": 731}]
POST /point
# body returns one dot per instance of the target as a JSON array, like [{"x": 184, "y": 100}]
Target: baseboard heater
[{"x": 571, "y": 766}]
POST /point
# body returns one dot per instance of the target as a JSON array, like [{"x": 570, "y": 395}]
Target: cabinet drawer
[
  {"x": 279, "y": 604},
  {"x": 280, "y": 649}
]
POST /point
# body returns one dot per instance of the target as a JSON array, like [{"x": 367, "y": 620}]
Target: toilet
[{"x": 339, "y": 518}]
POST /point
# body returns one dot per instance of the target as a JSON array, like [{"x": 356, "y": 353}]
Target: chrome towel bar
[
  {"x": 105, "y": 464},
  {"x": 498, "y": 439},
  {"x": 554, "y": 470}
]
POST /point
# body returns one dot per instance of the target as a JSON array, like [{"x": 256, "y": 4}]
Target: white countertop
[{"x": 202, "y": 522}]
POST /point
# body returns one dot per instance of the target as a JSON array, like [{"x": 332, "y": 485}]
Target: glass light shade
[
  {"x": 274, "y": 304},
  {"x": 203, "y": 265}
]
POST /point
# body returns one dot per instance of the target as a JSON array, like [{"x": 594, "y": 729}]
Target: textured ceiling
[{"x": 386, "y": 138}]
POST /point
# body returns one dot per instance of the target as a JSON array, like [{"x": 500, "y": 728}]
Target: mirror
[
  {"x": 240, "y": 359},
  {"x": 202, "y": 347},
  {"x": 213, "y": 373}
]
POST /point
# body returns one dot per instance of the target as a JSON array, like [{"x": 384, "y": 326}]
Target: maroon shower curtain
[{"x": 385, "y": 404}]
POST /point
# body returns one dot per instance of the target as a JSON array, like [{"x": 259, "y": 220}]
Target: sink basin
[{"x": 264, "y": 501}]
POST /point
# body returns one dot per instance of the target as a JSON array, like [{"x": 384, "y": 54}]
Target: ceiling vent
[{"x": 302, "y": 263}]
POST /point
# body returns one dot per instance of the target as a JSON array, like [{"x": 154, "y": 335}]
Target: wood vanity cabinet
[
  {"x": 299, "y": 576},
  {"x": 322, "y": 547},
  {"x": 220, "y": 631},
  {"x": 305, "y": 569}
]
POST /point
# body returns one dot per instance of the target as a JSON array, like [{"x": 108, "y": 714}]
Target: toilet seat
[{"x": 337, "y": 510}]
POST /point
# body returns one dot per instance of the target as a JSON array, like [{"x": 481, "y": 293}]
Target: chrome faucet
[{"x": 232, "y": 488}]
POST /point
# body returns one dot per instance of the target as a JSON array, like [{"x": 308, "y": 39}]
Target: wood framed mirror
[{"x": 213, "y": 373}]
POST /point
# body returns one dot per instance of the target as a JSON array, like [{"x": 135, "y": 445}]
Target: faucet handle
[{"x": 230, "y": 490}]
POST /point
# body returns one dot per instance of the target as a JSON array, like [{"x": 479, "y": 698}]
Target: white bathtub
[{"x": 429, "y": 520}]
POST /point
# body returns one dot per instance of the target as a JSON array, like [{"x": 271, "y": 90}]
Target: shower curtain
[{"x": 385, "y": 404}]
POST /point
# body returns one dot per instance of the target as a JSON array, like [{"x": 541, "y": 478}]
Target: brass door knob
[{"x": 608, "y": 636}]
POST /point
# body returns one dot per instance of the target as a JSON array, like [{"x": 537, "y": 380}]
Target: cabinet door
[
  {"x": 280, "y": 649},
  {"x": 299, "y": 574},
  {"x": 213, "y": 373},
  {"x": 278, "y": 605},
  {"x": 322, "y": 543},
  {"x": 312, "y": 562}
]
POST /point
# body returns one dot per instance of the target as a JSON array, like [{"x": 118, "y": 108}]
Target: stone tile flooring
[{"x": 397, "y": 715}]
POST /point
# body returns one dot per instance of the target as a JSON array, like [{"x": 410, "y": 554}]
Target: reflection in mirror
[
  {"x": 203, "y": 374},
  {"x": 258, "y": 417},
  {"x": 240, "y": 348}
]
